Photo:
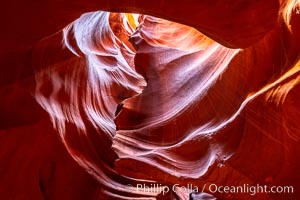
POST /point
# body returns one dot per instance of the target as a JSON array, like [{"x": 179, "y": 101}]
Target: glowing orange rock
[{"x": 171, "y": 107}]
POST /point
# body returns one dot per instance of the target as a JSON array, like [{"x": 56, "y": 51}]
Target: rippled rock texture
[{"x": 185, "y": 93}]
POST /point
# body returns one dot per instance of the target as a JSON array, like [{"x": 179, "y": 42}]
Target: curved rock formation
[{"x": 137, "y": 99}]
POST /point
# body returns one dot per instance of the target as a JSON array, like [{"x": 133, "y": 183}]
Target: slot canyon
[{"x": 137, "y": 99}]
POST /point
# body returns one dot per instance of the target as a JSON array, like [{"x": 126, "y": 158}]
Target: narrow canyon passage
[{"x": 150, "y": 100}]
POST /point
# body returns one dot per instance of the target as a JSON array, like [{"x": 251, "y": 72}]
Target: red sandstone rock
[{"x": 173, "y": 105}]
